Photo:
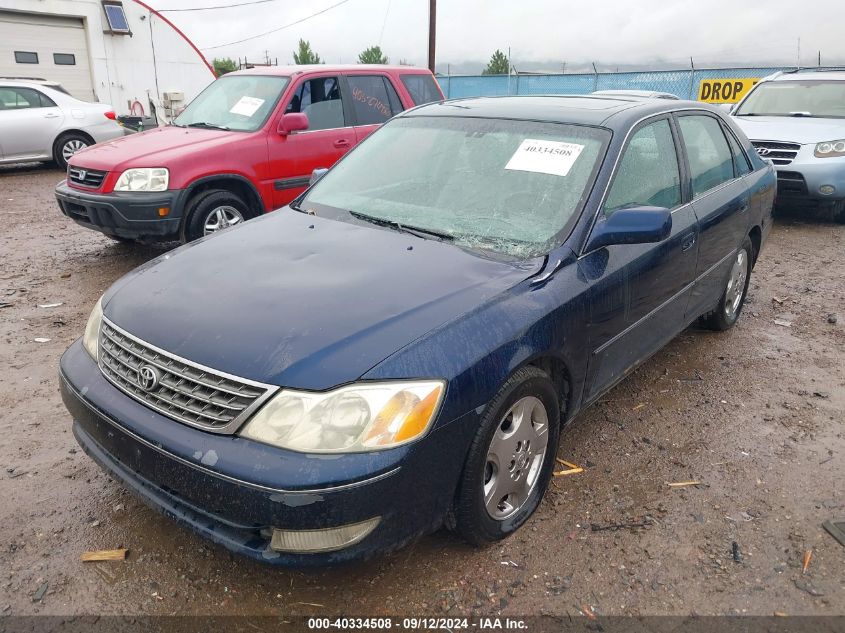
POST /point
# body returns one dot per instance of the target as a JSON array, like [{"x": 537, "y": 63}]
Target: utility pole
[{"x": 432, "y": 32}]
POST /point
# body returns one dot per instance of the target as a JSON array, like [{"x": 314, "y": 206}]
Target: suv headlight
[
  {"x": 91, "y": 338},
  {"x": 143, "y": 179},
  {"x": 830, "y": 149},
  {"x": 357, "y": 418}
]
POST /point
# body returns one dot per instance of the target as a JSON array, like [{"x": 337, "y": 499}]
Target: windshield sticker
[
  {"x": 247, "y": 106},
  {"x": 545, "y": 157}
]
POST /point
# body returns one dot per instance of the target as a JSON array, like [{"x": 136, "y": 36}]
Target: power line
[
  {"x": 219, "y": 6},
  {"x": 286, "y": 26}
]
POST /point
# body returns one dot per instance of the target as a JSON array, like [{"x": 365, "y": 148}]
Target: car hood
[
  {"x": 300, "y": 301},
  {"x": 801, "y": 130},
  {"x": 154, "y": 148}
]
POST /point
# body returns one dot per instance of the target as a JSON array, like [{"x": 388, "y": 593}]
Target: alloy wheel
[{"x": 221, "y": 218}]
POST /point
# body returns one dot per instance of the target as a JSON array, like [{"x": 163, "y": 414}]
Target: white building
[{"x": 125, "y": 54}]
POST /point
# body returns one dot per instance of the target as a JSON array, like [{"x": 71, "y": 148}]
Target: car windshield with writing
[
  {"x": 512, "y": 187},
  {"x": 241, "y": 103},
  {"x": 813, "y": 98}
]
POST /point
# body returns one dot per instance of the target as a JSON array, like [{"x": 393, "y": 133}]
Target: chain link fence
[{"x": 681, "y": 83}]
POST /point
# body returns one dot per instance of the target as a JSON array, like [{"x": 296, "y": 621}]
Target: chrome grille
[
  {"x": 778, "y": 153},
  {"x": 86, "y": 177},
  {"x": 184, "y": 391}
]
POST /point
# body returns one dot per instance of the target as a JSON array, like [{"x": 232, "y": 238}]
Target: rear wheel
[
  {"x": 67, "y": 145},
  {"x": 212, "y": 211},
  {"x": 510, "y": 460},
  {"x": 736, "y": 288}
]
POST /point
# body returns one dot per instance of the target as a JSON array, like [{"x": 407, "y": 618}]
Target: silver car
[
  {"x": 797, "y": 121},
  {"x": 38, "y": 122}
]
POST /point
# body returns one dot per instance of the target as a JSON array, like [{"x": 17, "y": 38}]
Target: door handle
[
  {"x": 688, "y": 242},
  {"x": 341, "y": 143},
  {"x": 51, "y": 116}
]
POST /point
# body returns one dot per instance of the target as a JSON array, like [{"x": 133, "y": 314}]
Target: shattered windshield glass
[{"x": 493, "y": 184}]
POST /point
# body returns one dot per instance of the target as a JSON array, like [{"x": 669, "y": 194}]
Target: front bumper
[
  {"x": 124, "y": 214},
  {"x": 802, "y": 179},
  {"x": 234, "y": 491}
]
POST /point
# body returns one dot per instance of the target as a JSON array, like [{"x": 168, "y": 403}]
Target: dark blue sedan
[{"x": 400, "y": 348}]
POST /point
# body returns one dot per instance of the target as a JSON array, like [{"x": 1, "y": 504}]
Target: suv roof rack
[
  {"x": 819, "y": 69},
  {"x": 25, "y": 78}
]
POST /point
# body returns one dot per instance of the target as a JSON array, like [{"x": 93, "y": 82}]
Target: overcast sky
[{"x": 541, "y": 33}]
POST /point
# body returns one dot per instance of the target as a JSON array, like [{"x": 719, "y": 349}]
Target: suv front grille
[
  {"x": 186, "y": 392},
  {"x": 86, "y": 177},
  {"x": 778, "y": 153}
]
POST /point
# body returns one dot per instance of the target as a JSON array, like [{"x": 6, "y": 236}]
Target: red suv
[{"x": 246, "y": 145}]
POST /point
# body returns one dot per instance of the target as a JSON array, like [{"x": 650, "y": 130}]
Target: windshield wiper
[
  {"x": 413, "y": 230},
  {"x": 205, "y": 124}
]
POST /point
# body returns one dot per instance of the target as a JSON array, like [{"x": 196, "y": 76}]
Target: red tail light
[{"x": 110, "y": 115}]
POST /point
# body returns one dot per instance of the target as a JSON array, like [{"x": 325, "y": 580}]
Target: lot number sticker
[
  {"x": 247, "y": 106},
  {"x": 545, "y": 157}
]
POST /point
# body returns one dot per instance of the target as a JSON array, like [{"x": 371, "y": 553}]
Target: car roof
[
  {"x": 289, "y": 71},
  {"x": 645, "y": 94},
  {"x": 831, "y": 75},
  {"x": 614, "y": 112}
]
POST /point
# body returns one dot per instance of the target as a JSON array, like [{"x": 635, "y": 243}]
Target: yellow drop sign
[{"x": 724, "y": 90}]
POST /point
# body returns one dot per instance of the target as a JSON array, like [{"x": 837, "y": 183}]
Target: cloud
[{"x": 540, "y": 33}]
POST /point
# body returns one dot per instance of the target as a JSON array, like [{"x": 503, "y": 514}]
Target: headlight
[
  {"x": 357, "y": 418},
  {"x": 144, "y": 179},
  {"x": 830, "y": 149},
  {"x": 91, "y": 338}
]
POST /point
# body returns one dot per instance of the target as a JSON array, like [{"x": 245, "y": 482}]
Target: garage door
[{"x": 47, "y": 47}]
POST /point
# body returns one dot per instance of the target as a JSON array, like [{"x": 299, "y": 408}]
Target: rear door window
[
  {"x": 710, "y": 158},
  {"x": 374, "y": 100},
  {"x": 422, "y": 88},
  {"x": 23, "y": 98},
  {"x": 648, "y": 174},
  {"x": 320, "y": 100},
  {"x": 741, "y": 165}
]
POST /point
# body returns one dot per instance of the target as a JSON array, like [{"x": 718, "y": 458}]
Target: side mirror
[
  {"x": 293, "y": 122},
  {"x": 316, "y": 175},
  {"x": 632, "y": 225}
]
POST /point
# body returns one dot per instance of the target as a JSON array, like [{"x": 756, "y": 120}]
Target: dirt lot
[{"x": 756, "y": 414}]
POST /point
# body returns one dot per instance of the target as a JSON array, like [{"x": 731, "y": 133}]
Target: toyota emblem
[{"x": 148, "y": 377}]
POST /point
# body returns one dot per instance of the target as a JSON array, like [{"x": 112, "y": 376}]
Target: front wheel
[
  {"x": 510, "y": 460},
  {"x": 212, "y": 211},
  {"x": 736, "y": 289},
  {"x": 839, "y": 212}
]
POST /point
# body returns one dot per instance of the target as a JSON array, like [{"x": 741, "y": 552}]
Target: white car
[{"x": 38, "y": 122}]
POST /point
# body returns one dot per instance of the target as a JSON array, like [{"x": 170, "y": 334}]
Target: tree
[
  {"x": 305, "y": 55},
  {"x": 372, "y": 55},
  {"x": 223, "y": 65},
  {"x": 498, "y": 64}
]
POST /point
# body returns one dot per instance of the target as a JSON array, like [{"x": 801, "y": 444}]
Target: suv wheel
[
  {"x": 212, "y": 211},
  {"x": 510, "y": 461},
  {"x": 66, "y": 146}
]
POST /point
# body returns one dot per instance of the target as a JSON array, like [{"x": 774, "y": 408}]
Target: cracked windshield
[{"x": 506, "y": 186}]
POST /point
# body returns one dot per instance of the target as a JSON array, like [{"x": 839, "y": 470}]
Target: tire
[
  {"x": 210, "y": 208},
  {"x": 839, "y": 212},
  {"x": 67, "y": 145},
  {"x": 733, "y": 299},
  {"x": 502, "y": 458}
]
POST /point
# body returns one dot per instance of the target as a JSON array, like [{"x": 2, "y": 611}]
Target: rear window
[
  {"x": 373, "y": 99},
  {"x": 423, "y": 88}
]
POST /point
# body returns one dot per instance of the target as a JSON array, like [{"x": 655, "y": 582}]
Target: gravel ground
[{"x": 755, "y": 414}]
